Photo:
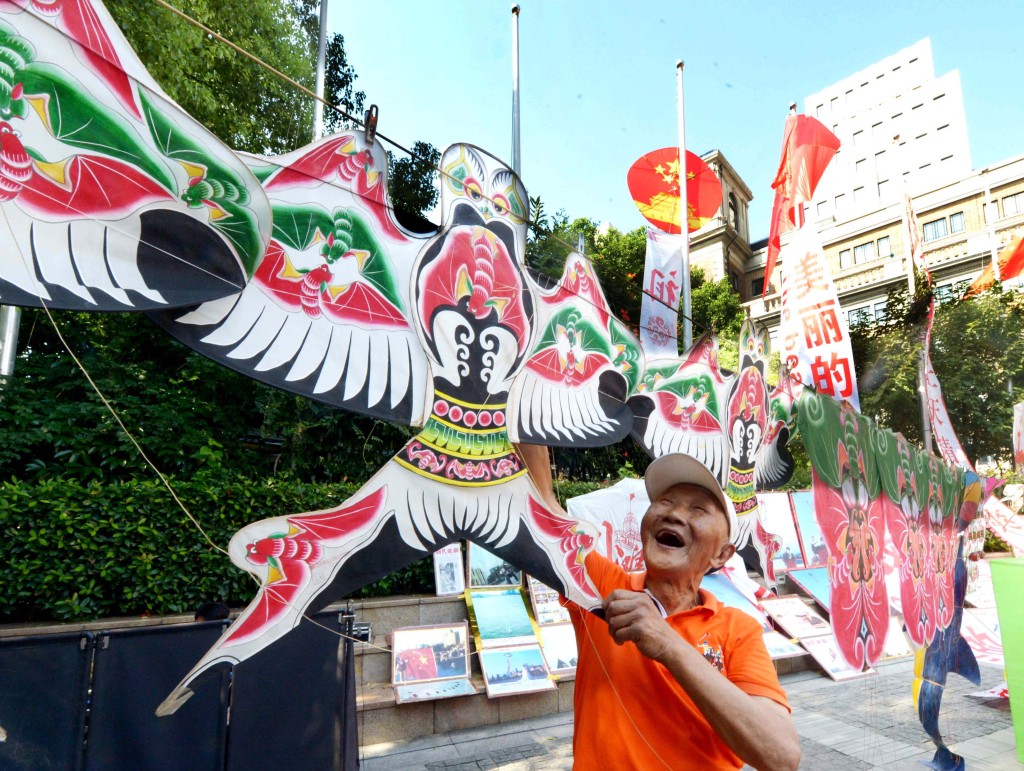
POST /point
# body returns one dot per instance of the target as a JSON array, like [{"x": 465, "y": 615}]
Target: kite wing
[
  {"x": 573, "y": 389},
  {"x": 680, "y": 406},
  {"x": 327, "y": 313},
  {"x": 111, "y": 197}
]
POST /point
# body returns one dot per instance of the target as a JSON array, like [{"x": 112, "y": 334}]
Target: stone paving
[{"x": 869, "y": 723}]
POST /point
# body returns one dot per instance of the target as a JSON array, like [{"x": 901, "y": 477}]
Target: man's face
[{"x": 685, "y": 531}]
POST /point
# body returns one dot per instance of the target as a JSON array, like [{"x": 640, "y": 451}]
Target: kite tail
[{"x": 945, "y": 759}]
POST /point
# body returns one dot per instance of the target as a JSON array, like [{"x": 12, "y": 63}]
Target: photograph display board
[
  {"x": 980, "y": 627},
  {"x": 814, "y": 581},
  {"x": 501, "y": 618},
  {"x": 811, "y": 540},
  {"x": 794, "y": 616},
  {"x": 558, "y": 642},
  {"x": 487, "y": 570},
  {"x": 449, "y": 575},
  {"x": 827, "y": 654},
  {"x": 547, "y": 609},
  {"x": 430, "y": 655},
  {"x": 513, "y": 670},
  {"x": 777, "y": 518},
  {"x": 780, "y": 647},
  {"x": 727, "y": 594}
]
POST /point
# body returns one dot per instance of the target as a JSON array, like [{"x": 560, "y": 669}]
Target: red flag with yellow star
[{"x": 653, "y": 182}]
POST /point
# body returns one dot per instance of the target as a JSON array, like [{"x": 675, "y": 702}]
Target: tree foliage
[{"x": 978, "y": 354}]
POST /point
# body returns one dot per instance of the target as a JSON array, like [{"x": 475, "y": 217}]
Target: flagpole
[
  {"x": 683, "y": 218},
  {"x": 516, "y": 157},
  {"x": 321, "y": 68}
]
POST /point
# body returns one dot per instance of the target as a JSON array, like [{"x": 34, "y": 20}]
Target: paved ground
[{"x": 863, "y": 724}]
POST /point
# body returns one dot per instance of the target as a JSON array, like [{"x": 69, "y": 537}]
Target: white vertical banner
[
  {"x": 815, "y": 337},
  {"x": 663, "y": 279},
  {"x": 943, "y": 433},
  {"x": 1018, "y": 436}
]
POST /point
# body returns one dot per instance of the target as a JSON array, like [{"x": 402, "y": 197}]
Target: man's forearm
[{"x": 757, "y": 729}]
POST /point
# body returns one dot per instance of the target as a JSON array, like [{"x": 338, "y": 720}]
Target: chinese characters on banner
[
  {"x": 1005, "y": 524},
  {"x": 815, "y": 338},
  {"x": 659, "y": 310}
]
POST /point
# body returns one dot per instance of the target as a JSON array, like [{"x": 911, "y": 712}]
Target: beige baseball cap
[{"x": 679, "y": 468}]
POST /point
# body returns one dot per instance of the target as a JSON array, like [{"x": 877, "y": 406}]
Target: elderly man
[{"x": 674, "y": 679}]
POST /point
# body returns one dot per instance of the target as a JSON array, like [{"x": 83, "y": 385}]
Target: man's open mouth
[{"x": 669, "y": 539}]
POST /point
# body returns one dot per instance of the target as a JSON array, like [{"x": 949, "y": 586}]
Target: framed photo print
[
  {"x": 811, "y": 539},
  {"x": 546, "y": 607},
  {"x": 827, "y": 654},
  {"x": 487, "y": 570},
  {"x": 558, "y": 642},
  {"x": 501, "y": 618},
  {"x": 514, "y": 670},
  {"x": 777, "y": 516},
  {"x": 814, "y": 581},
  {"x": 449, "y": 575},
  {"x": 422, "y": 654},
  {"x": 795, "y": 617},
  {"x": 781, "y": 647}
]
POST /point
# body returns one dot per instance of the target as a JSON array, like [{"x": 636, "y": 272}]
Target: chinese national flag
[
  {"x": 1011, "y": 265},
  {"x": 807, "y": 148},
  {"x": 417, "y": 664}
]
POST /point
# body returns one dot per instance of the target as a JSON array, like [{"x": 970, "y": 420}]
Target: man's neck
[{"x": 675, "y": 594}]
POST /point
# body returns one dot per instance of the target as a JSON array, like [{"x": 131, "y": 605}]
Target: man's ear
[{"x": 727, "y": 550}]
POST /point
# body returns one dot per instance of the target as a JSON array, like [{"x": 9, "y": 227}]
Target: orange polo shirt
[{"x": 647, "y": 721}]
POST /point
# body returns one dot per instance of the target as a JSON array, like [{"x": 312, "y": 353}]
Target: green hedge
[{"x": 74, "y": 550}]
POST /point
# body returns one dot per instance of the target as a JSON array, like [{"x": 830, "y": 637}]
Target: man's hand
[{"x": 633, "y": 617}]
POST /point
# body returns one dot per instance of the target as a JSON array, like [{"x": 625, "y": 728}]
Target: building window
[
  {"x": 921, "y": 136},
  {"x": 840, "y": 201},
  {"x": 937, "y": 98},
  {"x": 844, "y": 259},
  {"x": 734, "y": 211},
  {"x": 834, "y": 104},
  {"x": 935, "y": 229},
  {"x": 757, "y": 287},
  {"x": 860, "y": 166},
  {"x": 817, "y": 110},
  {"x": 858, "y": 196},
  {"x": 943, "y": 127},
  {"x": 864, "y": 252},
  {"x": 734, "y": 281},
  {"x": 822, "y": 209},
  {"x": 1013, "y": 204},
  {"x": 880, "y": 314},
  {"x": 883, "y": 189},
  {"x": 956, "y": 222},
  {"x": 858, "y": 136},
  {"x": 917, "y": 106},
  {"x": 884, "y": 250},
  {"x": 860, "y": 316}
]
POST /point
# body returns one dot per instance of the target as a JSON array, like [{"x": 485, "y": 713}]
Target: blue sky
[{"x": 598, "y": 79}]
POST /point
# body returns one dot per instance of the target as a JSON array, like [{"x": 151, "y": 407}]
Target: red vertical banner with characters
[{"x": 814, "y": 333}]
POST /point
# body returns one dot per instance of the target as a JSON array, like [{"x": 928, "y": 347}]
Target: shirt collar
[{"x": 708, "y": 602}]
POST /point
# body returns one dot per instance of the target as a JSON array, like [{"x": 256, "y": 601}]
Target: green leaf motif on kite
[
  {"x": 297, "y": 226},
  {"x": 581, "y": 333},
  {"x": 887, "y": 451},
  {"x": 79, "y": 121},
  {"x": 15, "y": 55},
  {"x": 377, "y": 268},
  {"x": 818, "y": 420},
  {"x": 627, "y": 356},
  {"x": 231, "y": 214}
]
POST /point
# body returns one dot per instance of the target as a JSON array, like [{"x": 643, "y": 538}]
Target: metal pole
[
  {"x": 10, "y": 318},
  {"x": 683, "y": 218},
  {"x": 516, "y": 156},
  {"x": 321, "y": 67}
]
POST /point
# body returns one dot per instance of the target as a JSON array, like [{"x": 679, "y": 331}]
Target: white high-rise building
[{"x": 899, "y": 125}]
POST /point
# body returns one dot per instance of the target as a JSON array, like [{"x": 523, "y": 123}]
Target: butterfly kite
[{"x": 294, "y": 271}]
